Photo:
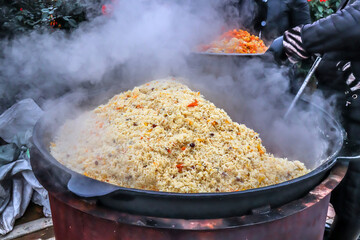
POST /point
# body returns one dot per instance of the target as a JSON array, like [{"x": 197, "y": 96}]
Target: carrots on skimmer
[{"x": 235, "y": 41}]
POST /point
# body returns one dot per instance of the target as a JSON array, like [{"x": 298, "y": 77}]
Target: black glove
[
  {"x": 277, "y": 49},
  {"x": 346, "y": 201},
  {"x": 293, "y": 45},
  {"x": 351, "y": 105},
  {"x": 353, "y": 83}
]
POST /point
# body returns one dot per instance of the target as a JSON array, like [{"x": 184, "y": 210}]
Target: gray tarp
[{"x": 18, "y": 184}]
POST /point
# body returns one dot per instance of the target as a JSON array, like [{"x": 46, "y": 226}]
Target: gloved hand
[
  {"x": 294, "y": 48},
  {"x": 277, "y": 49},
  {"x": 353, "y": 91},
  {"x": 351, "y": 106},
  {"x": 352, "y": 82}
]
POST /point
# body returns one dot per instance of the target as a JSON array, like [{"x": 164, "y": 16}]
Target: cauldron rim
[{"x": 315, "y": 196}]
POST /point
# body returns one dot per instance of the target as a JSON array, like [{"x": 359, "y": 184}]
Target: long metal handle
[{"x": 305, "y": 83}]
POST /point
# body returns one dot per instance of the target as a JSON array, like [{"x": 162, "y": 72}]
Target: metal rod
[{"x": 305, "y": 83}]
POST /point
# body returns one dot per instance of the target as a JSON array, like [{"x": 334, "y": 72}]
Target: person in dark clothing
[
  {"x": 337, "y": 39},
  {"x": 267, "y": 18},
  {"x": 283, "y": 15}
]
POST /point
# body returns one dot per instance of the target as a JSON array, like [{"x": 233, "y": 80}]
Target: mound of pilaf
[{"x": 162, "y": 136}]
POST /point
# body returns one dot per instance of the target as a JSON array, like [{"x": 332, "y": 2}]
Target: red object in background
[
  {"x": 21, "y": 9},
  {"x": 107, "y": 9},
  {"x": 103, "y": 9}
]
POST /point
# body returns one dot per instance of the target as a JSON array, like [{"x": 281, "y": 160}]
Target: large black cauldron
[{"x": 177, "y": 205}]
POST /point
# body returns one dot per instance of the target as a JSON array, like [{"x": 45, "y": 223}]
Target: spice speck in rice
[{"x": 162, "y": 136}]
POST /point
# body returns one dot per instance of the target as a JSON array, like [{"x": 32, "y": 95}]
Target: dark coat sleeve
[
  {"x": 299, "y": 13},
  {"x": 337, "y": 32}
]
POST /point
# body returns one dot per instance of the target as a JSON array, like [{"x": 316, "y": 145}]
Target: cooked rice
[{"x": 162, "y": 136}]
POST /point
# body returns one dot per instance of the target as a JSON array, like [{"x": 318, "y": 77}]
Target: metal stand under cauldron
[{"x": 75, "y": 218}]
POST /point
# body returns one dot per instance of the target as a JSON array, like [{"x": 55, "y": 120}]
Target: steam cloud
[
  {"x": 155, "y": 34},
  {"x": 144, "y": 40}
]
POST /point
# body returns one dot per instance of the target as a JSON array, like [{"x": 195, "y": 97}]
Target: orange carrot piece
[{"x": 194, "y": 104}]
